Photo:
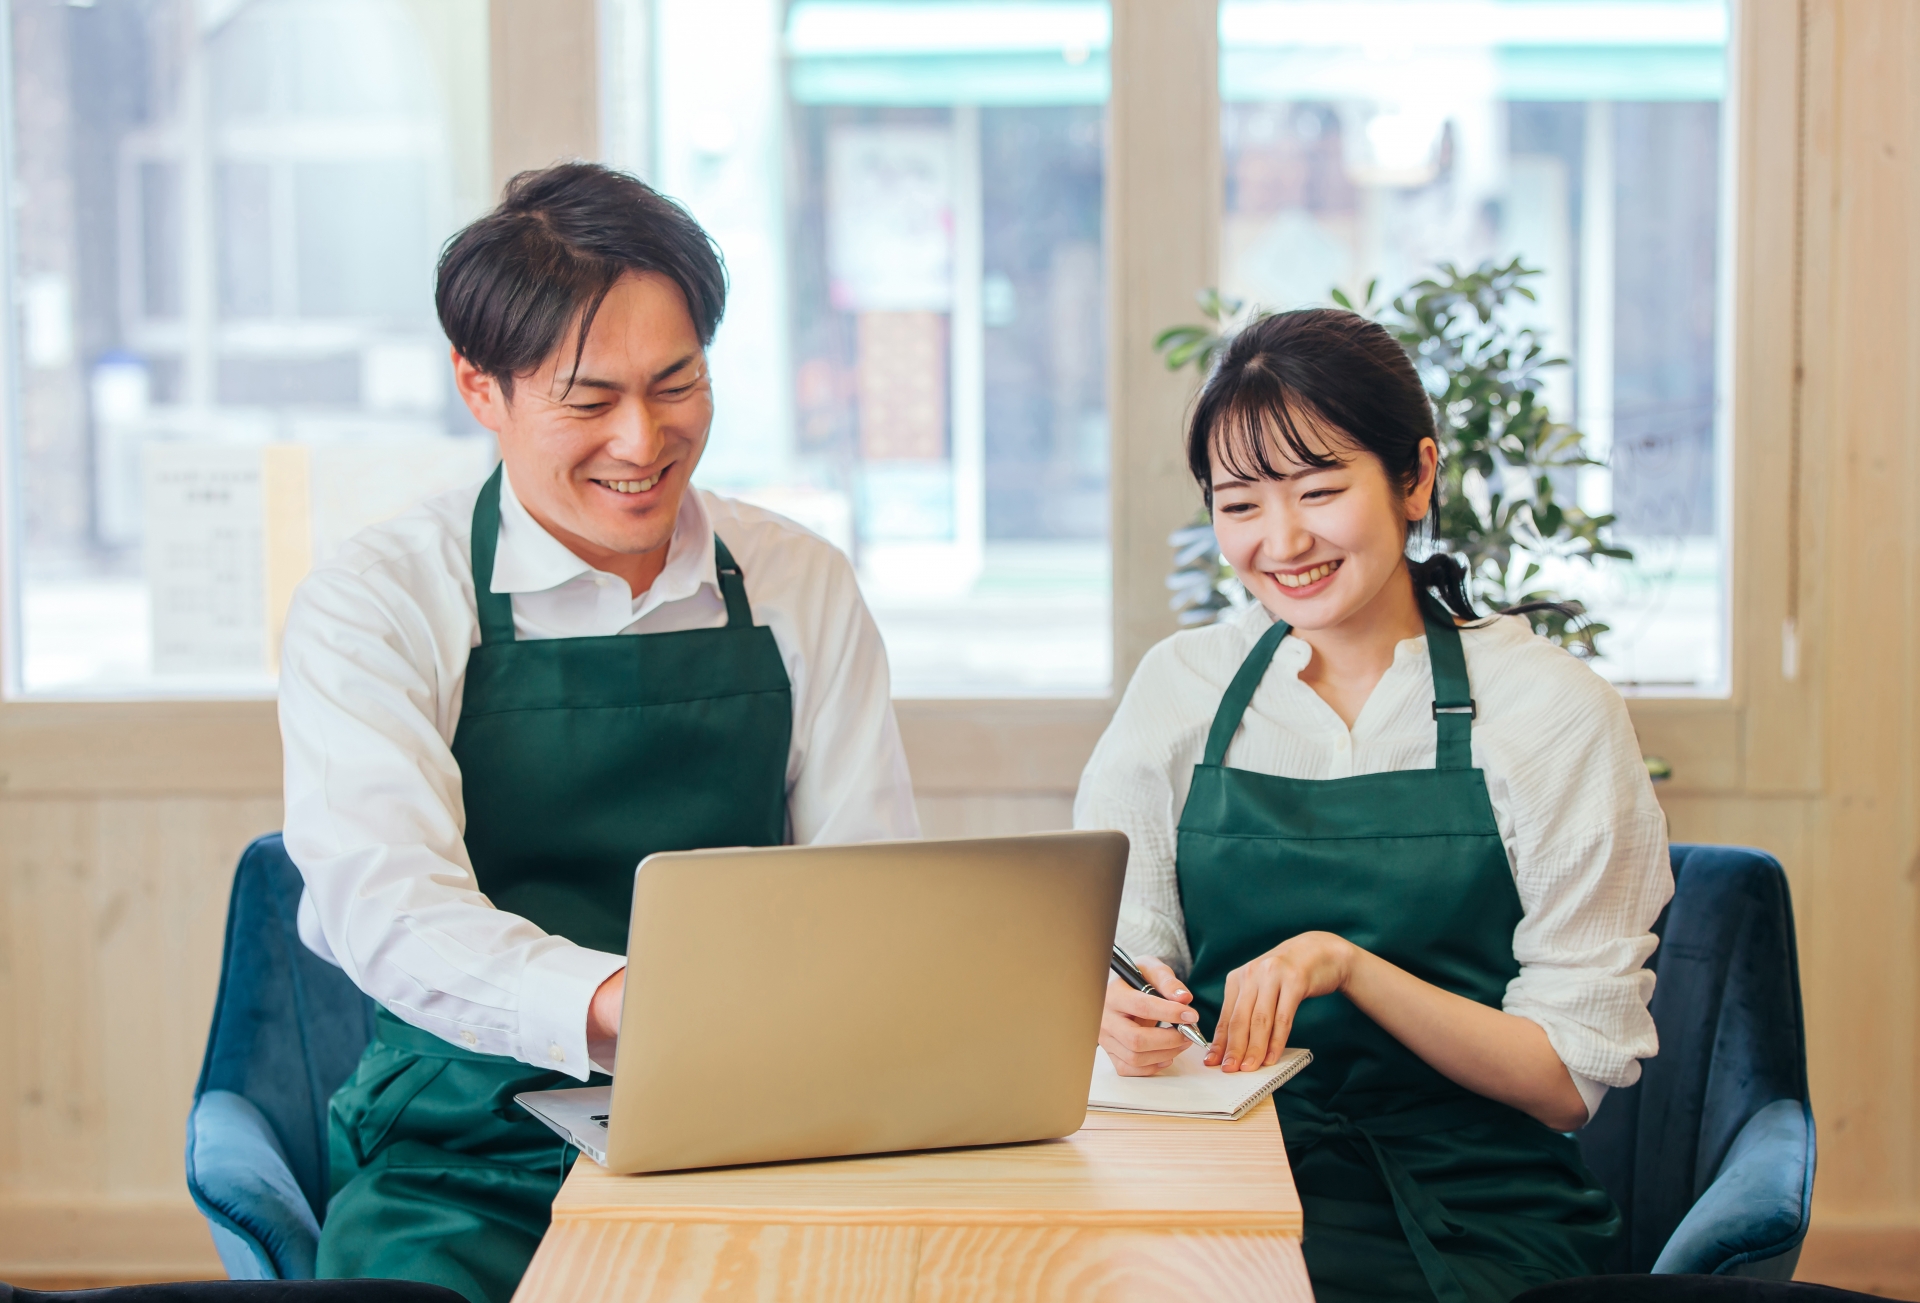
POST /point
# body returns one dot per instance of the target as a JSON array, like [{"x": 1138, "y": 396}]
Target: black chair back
[
  {"x": 288, "y": 1027},
  {"x": 1732, "y": 1040}
]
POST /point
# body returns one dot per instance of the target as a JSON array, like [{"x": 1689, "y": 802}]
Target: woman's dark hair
[
  {"x": 561, "y": 238},
  {"x": 1336, "y": 369}
]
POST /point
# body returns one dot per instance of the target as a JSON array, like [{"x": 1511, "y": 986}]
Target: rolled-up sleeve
[{"x": 1590, "y": 847}]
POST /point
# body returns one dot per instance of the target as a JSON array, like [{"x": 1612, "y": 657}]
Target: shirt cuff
[
  {"x": 555, "y": 993},
  {"x": 1591, "y": 1092}
]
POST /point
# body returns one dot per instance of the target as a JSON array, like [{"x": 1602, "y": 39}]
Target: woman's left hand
[{"x": 1262, "y": 996}]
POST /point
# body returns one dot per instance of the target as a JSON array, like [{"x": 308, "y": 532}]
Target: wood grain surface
[
  {"x": 1119, "y": 1170},
  {"x": 1128, "y": 1208},
  {"x": 600, "y": 1261}
]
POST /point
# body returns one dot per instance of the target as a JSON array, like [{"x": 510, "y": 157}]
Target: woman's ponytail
[{"x": 1445, "y": 576}]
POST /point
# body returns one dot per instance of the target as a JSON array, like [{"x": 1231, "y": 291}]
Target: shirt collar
[
  {"x": 1294, "y": 653},
  {"x": 528, "y": 559}
]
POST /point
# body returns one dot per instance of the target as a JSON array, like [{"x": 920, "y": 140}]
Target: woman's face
[{"x": 1318, "y": 546}]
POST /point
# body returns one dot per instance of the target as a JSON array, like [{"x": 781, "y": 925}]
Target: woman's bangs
[{"x": 1249, "y": 432}]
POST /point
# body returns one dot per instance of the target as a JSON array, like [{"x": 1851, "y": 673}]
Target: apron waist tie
[{"x": 1422, "y": 1218}]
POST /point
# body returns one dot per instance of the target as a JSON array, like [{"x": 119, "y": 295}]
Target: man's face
[{"x": 603, "y": 465}]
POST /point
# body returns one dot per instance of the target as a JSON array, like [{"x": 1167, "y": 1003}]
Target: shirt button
[
  {"x": 469, "y": 1038},
  {"x": 559, "y": 1055}
]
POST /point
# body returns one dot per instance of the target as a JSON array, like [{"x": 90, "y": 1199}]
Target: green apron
[
  {"x": 1413, "y": 1187},
  {"x": 578, "y": 758}
]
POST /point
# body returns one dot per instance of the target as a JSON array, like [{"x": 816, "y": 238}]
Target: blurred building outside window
[
  {"x": 226, "y": 215},
  {"x": 227, "y": 212},
  {"x": 909, "y": 196},
  {"x": 1379, "y": 138}
]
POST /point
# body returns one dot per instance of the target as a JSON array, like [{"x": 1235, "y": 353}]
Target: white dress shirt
[
  {"x": 1585, "y": 838},
  {"x": 374, "y": 660}
]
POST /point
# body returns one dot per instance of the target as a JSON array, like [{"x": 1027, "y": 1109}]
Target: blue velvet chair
[
  {"x": 288, "y": 1028},
  {"x": 1710, "y": 1155}
]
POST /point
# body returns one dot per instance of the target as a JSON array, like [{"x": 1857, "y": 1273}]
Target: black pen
[{"x": 1130, "y": 974}]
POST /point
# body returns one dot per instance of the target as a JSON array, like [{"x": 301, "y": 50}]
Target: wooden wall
[
  {"x": 119, "y": 824},
  {"x": 1826, "y": 461}
]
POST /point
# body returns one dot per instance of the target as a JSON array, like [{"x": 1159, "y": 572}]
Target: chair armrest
[
  {"x": 1756, "y": 1210},
  {"x": 239, "y": 1178}
]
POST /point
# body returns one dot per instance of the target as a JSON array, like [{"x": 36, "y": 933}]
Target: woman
[{"x": 1419, "y": 843}]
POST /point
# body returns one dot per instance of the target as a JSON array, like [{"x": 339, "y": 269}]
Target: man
[{"x": 494, "y": 706}]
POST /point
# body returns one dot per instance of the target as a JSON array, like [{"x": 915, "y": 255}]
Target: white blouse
[
  {"x": 374, "y": 661},
  {"x": 1585, "y": 838}
]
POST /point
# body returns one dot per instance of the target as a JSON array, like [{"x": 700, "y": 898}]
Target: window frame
[{"x": 1163, "y": 211}]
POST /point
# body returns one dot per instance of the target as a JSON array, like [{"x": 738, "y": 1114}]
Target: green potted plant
[{"x": 1504, "y": 461}]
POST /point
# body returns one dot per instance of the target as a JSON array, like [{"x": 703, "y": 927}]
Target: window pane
[
  {"x": 228, "y": 220},
  {"x": 244, "y": 192},
  {"x": 909, "y": 198},
  {"x": 1584, "y": 137}
]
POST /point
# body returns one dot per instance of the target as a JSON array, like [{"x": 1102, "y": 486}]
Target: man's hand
[
  {"x": 1263, "y": 995},
  {"x": 603, "y": 1012},
  {"x": 1128, "y": 1026}
]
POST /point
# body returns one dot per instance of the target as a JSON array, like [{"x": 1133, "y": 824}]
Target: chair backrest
[
  {"x": 288, "y": 1027},
  {"x": 1732, "y": 1041}
]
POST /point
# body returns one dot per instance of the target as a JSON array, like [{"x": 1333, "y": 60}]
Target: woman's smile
[{"x": 1306, "y": 581}]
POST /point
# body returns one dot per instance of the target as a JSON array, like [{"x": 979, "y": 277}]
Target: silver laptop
[{"x": 813, "y": 1001}]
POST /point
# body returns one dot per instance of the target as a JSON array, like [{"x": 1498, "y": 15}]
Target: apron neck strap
[
  {"x": 732, "y": 586},
  {"x": 1453, "y": 706},
  {"x": 495, "y": 609},
  {"x": 1226, "y": 720}
]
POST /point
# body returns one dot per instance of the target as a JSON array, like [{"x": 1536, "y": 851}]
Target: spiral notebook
[{"x": 1187, "y": 1087}]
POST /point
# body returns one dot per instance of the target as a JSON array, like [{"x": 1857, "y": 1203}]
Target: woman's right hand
[{"x": 1129, "y": 1030}]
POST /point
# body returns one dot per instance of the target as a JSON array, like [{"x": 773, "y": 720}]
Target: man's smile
[{"x": 631, "y": 486}]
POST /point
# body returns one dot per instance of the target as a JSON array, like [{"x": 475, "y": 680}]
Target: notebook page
[{"x": 1188, "y": 1088}]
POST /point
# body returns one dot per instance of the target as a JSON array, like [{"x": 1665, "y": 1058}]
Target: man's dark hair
[{"x": 510, "y": 283}]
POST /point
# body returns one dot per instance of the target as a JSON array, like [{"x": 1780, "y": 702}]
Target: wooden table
[{"x": 1127, "y": 1208}]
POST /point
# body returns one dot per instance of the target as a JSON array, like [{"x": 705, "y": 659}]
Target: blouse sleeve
[
  {"x": 1134, "y": 783},
  {"x": 1589, "y": 846}
]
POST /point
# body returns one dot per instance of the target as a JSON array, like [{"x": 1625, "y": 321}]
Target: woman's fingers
[
  {"x": 1136, "y": 1037},
  {"x": 1140, "y": 1063},
  {"x": 1129, "y": 1025},
  {"x": 1262, "y": 997},
  {"x": 1260, "y": 1017},
  {"x": 1237, "y": 1015},
  {"x": 1138, "y": 1048},
  {"x": 1283, "y": 1014},
  {"x": 1148, "y": 1008},
  {"x": 1164, "y": 980},
  {"x": 1217, "y": 1050}
]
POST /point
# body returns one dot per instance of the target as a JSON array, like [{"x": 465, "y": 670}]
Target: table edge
[{"x": 1289, "y": 1223}]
